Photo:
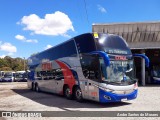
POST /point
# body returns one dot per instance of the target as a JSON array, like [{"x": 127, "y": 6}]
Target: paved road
[{"x": 17, "y": 97}]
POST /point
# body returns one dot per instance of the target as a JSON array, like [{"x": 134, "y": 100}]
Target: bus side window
[
  {"x": 90, "y": 67},
  {"x": 39, "y": 76},
  {"x": 59, "y": 74}
]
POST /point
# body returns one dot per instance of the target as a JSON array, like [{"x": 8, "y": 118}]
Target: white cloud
[
  {"x": 57, "y": 23},
  {"x": 32, "y": 41},
  {"x": 2, "y": 56},
  {"x": 48, "y": 46},
  {"x": 8, "y": 54},
  {"x": 22, "y": 38},
  {"x": 102, "y": 9},
  {"x": 7, "y": 47}
]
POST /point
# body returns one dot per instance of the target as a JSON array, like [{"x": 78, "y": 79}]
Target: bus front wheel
[{"x": 78, "y": 94}]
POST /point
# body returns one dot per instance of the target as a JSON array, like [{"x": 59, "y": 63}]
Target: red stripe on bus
[{"x": 68, "y": 75}]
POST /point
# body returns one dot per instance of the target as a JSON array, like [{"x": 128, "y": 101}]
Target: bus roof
[
  {"x": 59, "y": 44},
  {"x": 83, "y": 43}
]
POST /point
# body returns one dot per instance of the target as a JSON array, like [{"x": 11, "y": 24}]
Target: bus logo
[
  {"x": 47, "y": 66},
  {"x": 120, "y": 58}
]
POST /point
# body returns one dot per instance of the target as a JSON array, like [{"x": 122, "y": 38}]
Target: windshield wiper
[{"x": 115, "y": 82}]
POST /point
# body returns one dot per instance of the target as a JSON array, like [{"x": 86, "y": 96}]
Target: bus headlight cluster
[{"x": 107, "y": 97}]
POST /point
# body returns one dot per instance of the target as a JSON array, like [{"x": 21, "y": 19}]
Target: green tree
[{"x": 16, "y": 64}]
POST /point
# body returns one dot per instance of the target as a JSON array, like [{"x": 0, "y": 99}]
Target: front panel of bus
[{"x": 111, "y": 82}]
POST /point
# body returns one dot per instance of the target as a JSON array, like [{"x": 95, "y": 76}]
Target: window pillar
[{"x": 143, "y": 69}]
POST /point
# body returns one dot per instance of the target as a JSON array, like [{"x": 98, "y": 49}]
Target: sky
[{"x": 31, "y": 26}]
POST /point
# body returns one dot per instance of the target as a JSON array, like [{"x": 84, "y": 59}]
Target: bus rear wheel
[
  {"x": 78, "y": 94},
  {"x": 37, "y": 88},
  {"x": 33, "y": 87},
  {"x": 67, "y": 93}
]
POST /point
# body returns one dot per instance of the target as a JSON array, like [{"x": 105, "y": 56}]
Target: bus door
[{"x": 91, "y": 71}]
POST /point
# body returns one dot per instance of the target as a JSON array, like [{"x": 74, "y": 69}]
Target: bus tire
[
  {"x": 67, "y": 92},
  {"x": 78, "y": 94},
  {"x": 37, "y": 88},
  {"x": 32, "y": 87}
]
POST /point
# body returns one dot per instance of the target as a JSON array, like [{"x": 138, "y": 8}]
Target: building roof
[{"x": 137, "y": 34}]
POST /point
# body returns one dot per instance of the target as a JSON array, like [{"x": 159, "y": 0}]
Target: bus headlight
[{"x": 107, "y": 97}]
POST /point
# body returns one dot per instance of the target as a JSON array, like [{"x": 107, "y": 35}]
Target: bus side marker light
[{"x": 136, "y": 86}]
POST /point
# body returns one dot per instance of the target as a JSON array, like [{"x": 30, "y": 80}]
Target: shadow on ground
[{"x": 54, "y": 100}]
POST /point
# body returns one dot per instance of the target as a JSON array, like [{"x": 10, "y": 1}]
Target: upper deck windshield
[
  {"x": 112, "y": 44},
  {"x": 119, "y": 72}
]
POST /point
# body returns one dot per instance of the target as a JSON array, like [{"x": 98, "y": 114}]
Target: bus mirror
[
  {"x": 144, "y": 57},
  {"x": 103, "y": 55}
]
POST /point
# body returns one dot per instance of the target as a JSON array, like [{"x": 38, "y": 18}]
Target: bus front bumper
[{"x": 105, "y": 96}]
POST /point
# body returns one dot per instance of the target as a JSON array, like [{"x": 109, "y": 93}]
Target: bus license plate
[{"x": 124, "y": 99}]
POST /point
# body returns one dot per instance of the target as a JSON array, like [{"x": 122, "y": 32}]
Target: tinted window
[
  {"x": 112, "y": 44},
  {"x": 55, "y": 74},
  {"x": 45, "y": 75},
  {"x": 85, "y": 43},
  {"x": 64, "y": 50},
  {"x": 90, "y": 67},
  {"x": 59, "y": 74}
]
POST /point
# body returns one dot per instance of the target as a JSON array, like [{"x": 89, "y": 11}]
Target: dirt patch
[{"x": 6, "y": 93}]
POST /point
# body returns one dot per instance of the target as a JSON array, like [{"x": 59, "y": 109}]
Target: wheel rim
[
  {"x": 78, "y": 94},
  {"x": 67, "y": 92},
  {"x": 33, "y": 88},
  {"x": 37, "y": 89}
]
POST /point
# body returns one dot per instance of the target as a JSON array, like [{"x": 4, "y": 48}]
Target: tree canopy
[{"x": 16, "y": 64}]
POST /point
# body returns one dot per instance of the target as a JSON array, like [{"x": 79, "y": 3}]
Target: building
[{"x": 142, "y": 37}]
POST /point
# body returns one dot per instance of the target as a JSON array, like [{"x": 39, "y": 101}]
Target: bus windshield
[
  {"x": 9, "y": 75},
  {"x": 156, "y": 71},
  {"x": 119, "y": 72},
  {"x": 19, "y": 75}
]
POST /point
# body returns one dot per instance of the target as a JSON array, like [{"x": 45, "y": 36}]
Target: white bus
[
  {"x": 20, "y": 76},
  {"x": 8, "y": 76}
]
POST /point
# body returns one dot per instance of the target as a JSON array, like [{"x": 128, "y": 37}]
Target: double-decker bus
[{"x": 94, "y": 66}]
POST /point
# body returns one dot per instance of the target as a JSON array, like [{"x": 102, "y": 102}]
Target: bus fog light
[{"x": 107, "y": 97}]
